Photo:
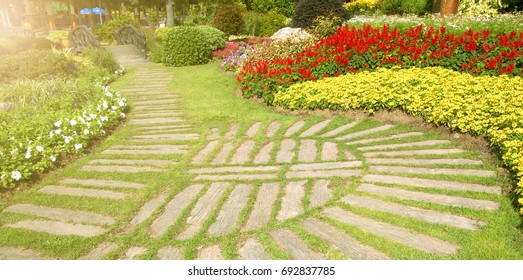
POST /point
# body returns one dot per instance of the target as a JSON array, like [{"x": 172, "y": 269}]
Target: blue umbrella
[
  {"x": 85, "y": 11},
  {"x": 98, "y": 11}
]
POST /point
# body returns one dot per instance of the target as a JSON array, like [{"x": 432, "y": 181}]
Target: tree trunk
[
  {"x": 170, "y": 12},
  {"x": 449, "y": 7},
  {"x": 43, "y": 17}
]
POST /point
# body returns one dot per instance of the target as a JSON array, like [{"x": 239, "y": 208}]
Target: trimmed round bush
[
  {"x": 229, "y": 19},
  {"x": 191, "y": 45},
  {"x": 307, "y": 11}
]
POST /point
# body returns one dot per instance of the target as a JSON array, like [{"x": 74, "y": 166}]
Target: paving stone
[
  {"x": 59, "y": 228},
  {"x": 321, "y": 193},
  {"x": 59, "y": 190},
  {"x": 272, "y": 129},
  {"x": 386, "y": 138},
  {"x": 144, "y": 152},
  {"x": 148, "y": 209},
  {"x": 210, "y": 253},
  {"x": 415, "y": 161},
  {"x": 172, "y": 131},
  {"x": 233, "y": 177},
  {"x": 401, "y": 235},
  {"x": 349, "y": 155},
  {"x": 177, "y": 136},
  {"x": 15, "y": 253},
  {"x": 322, "y": 173},
  {"x": 264, "y": 155},
  {"x": 152, "y": 147},
  {"x": 307, "y": 151},
  {"x": 134, "y": 252},
  {"x": 403, "y": 145},
  {"x": 170, "y": 253},
  {"x": 64, "y": 215},
  {"x": 163, "y": 127},
  {"x": 365, "y": 132},
  {"x": 232, "y": 131},
  {"x": 122, "y": 169},
  {"x": 253, "y": 129},
  {"x": 203, "y": 209},
  {"x": 426, "y": 215},
  {"x": 102, "y": 183},
  {"x": 252, "y": 250},
  {"x": 346, "y": 244},
  {"x": 156, "y": 120},
  {"x": 204, "y": 153},
  {"x": 100, "y": 251},
  {"x": 157, "y": 115},
  {"x": 415, "y": 152},
  {"x": 174, "y": 209},
  {"x": 291, "y": 243},
  {"x": 157, "y": 102},
  {"x": 261, "y": 211},
  {"x": 294, "y": 128},
  {"x": 235, "y": 169},
  {"x": 243, "y": 152},
  {"x": 286, "y": 152},
  {"x": 326, "y": 165},
  {"x": 432, "y": 171},
  {"x": 156, "y": 107},
  {"x": 215, "y": 134},
  {"x": 228, "y": 216},
  {"x": 429, "y": 183},
  {"x": 456, "y": 201},
  {"x": 340, "y": 129},
  {"x": 329, "y": 151},
  {"x": 221, "y": 157},
  {"x": 315, "y": 128},
  {"x": 131, "y": 162},
  {"x": 291, "y": 203}
]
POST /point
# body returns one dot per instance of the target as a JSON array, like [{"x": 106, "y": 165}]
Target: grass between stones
[{"x": 206, "y": 99}]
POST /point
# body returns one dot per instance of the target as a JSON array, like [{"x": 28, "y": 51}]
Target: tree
[{"x": 170, "y": 12}]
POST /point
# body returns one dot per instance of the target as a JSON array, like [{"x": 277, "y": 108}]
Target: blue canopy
[
  {"x": 98, "y": 11},
  {"x": 85, "y": 11}
]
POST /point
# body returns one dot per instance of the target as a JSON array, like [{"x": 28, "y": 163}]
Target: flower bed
[
  {"x": 480, "y": 105},
  {"x": 354, "y": 49}
]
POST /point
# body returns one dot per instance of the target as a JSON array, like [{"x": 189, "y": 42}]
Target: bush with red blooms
[{"x": 353, "y": 49}]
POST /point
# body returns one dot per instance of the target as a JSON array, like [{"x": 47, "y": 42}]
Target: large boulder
[{"x": 287, "y": 33}]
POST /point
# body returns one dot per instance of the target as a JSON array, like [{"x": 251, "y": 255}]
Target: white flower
[
  {"x": 58, "y": 123},
  {"x": 2, "y": 177},
  {"x": 122, "y": 115},
  {"x": 81, "y": 119},
  {"x": 1, "y": 154},
  {"x": 28, "y": 155},
  {"x": 73, "y": 122},
  {"x": 99, "y": 122},
  {"x": 104, "y": 118},
  {"x": 98, "y": 108},
  {"x": 103, "y": 131},
  {"x": 105, "y": 105},
  {"x": 108, "y": 94},
  {"x": 121, "y": 103},
  {"x": 16, "y": 175},
  {"x": 67, "y": 139},
  {"x": 113, "y": 107},
  {"x": 53, "y": 159},
  {"x": 86, "y": 131},
  {"x": 51, "y": 134},
  {"x": 58, "y": 131},
  {"x": 40, "y": 148},
  {"x": 78, "y": 146}
]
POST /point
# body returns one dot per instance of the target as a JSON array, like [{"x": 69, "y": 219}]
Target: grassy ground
[{"x": 209, "y": 101}]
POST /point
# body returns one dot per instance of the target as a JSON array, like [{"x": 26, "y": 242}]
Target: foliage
[
  {"x": 480, "y": 7},
  {"x": 264, "y": 24},
  {"x": 326, "y": 25},
  {"x": 229, "y": 19},
  {"x": 283, "y": 7},
  {"x": 361, "y": 6},
  {"x": 401, "y": 7},
  {"x": 190, "y": 45},
  {"x": 354, "y": 49},
  {"x": 56, "y": 36},
  {"x": 36, "y": 64},
  {"x": 160, "y": 34},
  {"x": 105, "y": 32},
  {"x": 307, "y": 11},
  {"x": 214, "y": 38},
  {"x": 485, "y": 105}
]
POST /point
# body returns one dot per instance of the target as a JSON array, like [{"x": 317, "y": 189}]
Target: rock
[
  {"x": 290, "y": 33},
  {"x": 4, "y": 106}
]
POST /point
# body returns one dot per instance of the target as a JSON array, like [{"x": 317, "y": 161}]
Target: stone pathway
[{"x": 250, "y": 181}]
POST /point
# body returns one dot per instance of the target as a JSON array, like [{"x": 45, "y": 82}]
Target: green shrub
[
  {"x": 214, "y": 38},
  {"x": 283, "y": 7},
  {"x": 307, "y": 11},
  {"x": 36, "y": 64},
  {"x": 105, "y": 32},
  {"x": 264, "y": 25},
  {"x": 186, "y": 45},
  {"x": 161, "y": 33},
  {"x": 228, "y": 18},
  {"x": 16, "y": 44},
  {"x": 326, "y": 25},
  {"x": 400, "y": 7}
]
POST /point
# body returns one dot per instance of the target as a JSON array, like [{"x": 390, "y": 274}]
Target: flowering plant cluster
[
  {"x": 491, "y": 106},
  {"x": 33, "y": 149},
  {"x": 353, "y": 49}
]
